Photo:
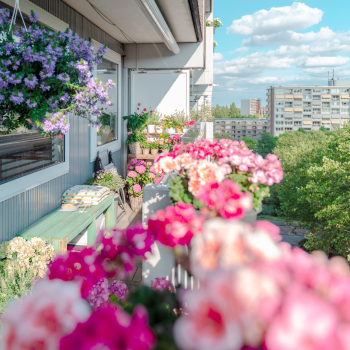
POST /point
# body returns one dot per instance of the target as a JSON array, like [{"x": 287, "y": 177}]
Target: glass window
[
  {"x": 335, "y": 104},
  {"x": 24, "y": 152},
  {"x": 335, "y": 91},
  {"x": 326, "y": 110},
  {"x": 345, "y": 110},
  {"x": 307, "y": 97},
  {"x": 326, "y": 91},
  {"x": 307, "y": 115},
  {"x": 289, "y": 104},
  {"x": 279, "y": 91},
  {"x": 325, "y": 104},
  {"x": 316, "y": 91},
  {"x": 306, "y": 110},
  {"x": 345, "y": 103},
  {"x": 307, "y": 91},
  {"x": 108, "y": 131},
  {"x": 307, "y": 104},
  {"x": 316, "y": 97},
  {"x": 335, "y": 111},
  {"x": 298, "y": 91},
  {"x": 280, "y": 103},
  {"x": 288, "y": 91},
  {"x": 279, "y": 109},
  {"x": 345, "y": 91},
  {"x": 317, "y": 111}
]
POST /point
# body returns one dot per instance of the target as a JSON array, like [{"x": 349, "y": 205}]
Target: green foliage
[
  {"x": 266, "y": 144},
  {"x": 154, "y": 118},
  {"x": 301, "y": 130},
  {"x": 136, "y": 121},
  {"x": 110, "y": 179},
  {"x": 250, "y": 142},
  {"x": 160, "y": 306},
  {"x": 179, "y": 192},
  {"x": 315, "y": 189},
  {"x": 136, "y": 136}
]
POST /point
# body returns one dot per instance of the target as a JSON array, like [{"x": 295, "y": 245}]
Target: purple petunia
[
  {"x": 63, "y": 77},
  {"x": 31, "y": 82},
  {"x": 17, "y": 98},
  {"x": 31, "y": 104},
  {"x": 33, "y": 17}
]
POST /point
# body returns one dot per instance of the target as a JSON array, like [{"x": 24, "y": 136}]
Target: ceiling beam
[{"x": 196, "y": 18}]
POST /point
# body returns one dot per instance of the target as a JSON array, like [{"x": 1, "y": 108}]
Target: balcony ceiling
[{"x": 129, "y": 18}]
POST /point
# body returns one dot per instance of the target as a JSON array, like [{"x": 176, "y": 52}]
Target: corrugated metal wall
[{"x": 22, "y": 210}]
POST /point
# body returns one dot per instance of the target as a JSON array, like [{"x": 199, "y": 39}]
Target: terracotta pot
[
  {"x": 135, "y": 149},
  {"x": 154, "y": 151},
  {"x": 145, "y": 151},
  {"x": 136, "y": 202}
]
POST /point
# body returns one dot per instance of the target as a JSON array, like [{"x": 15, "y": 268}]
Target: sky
[{"x": 278, "y": 42}]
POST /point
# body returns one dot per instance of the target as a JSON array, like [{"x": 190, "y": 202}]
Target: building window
[
  {"x": 25, "y": 152},
  {"x": 297, "y": 123},
  {"x": 326, "y": 91},
  {"x": 344, "y": 91},
  {"x": 279, "y": 116},
  {"x": 316, "y": 91},
  {"x": 288, "y": 123},
  {"x": 345, "y": 103},
  {"x": 335, "y": 98},
  {"x": 307, "y": 91},
  {"x": 326, "y": 110},
  {"x": 281, "y": 103},
  {"x": 306, "y": 110},
  {"x": 316, "y": 97},
  {"x": 298, "y": 91},
  {"x": 326, "y": 104},
  {"x": 335, "y": 104},
  {"x": 289, "y": 104},
  {"x": 317, "y": 111},
  {"x": 288, "y": 91},
  {"x": 279, "y": 129},
  {"x": 279, "y": 91},
  {"x": 345, "y": 110},
  {"x": 316, "y": 123},
  {"x": 307, "y": 97},
  {"x": 335, "y": 91},
  {"x": 307, "y": 104},
  {"x": 279, "y": 123},
  {"x": 307, "y": 115},
  {"x": 335, "y": 111},
  {"x": 289, "y": 129}
]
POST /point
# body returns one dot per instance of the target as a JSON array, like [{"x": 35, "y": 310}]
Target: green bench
[{"x": 59, "y": 228}]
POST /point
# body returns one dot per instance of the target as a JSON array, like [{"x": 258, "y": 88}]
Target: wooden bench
[{"x": 59, "y": 228}]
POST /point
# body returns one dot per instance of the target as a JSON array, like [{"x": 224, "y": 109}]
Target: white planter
[
  {"x": 159, "y": 129},
  {"x": 185, "y": 129},
  {"x": 171, "y": 130},
  {"x": 151, "y": 129}
]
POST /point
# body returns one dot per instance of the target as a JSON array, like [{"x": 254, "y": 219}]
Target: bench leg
[
  {"x": 110, "y": 223},
  {"x": 91, "y": 234}
]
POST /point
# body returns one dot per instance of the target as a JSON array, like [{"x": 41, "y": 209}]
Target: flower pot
[
  {"x": 251, "y": 216},
  {"x": 145, "y": 151},
  {"x": 136, "y": 202},
  {"x": 151, "y": 129},
  {"x": 171, "y": 130},
  {"x": 179, "y": 129},
  {"x": 185, "y": 129},
  {"x": 135, "y": 149},
  {"x": 165, "y": 151},
  {"x": 154, "y": 151},
  {"x": 159, "y": 129}
]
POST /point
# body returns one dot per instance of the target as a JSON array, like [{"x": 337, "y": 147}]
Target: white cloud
[
  {"x": 277, "y": 19},
  {"x": 325, "y": 61},
  {"x": 290, "y": 38},
  {"x": 218, "y": 57},
  {"x": 240, "y": 50},
  {"x": 267, "y": 80}
]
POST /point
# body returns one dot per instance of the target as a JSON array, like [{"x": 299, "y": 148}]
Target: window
[
  {"x": 335, "y": 98},
  {"x": 298, "y": 91},
  {"x": 249, "y": 132},
  {"x": 281, "y": 103},
  {"x": 289, "y": 123},
  {"x": 335, "y": 91},
  {"x": 345, "y": 110},
  {"x": 326, "y": 110},
  {"x": 316, "y": 91},
  {"x": 316, "y": 97},
  {"x": 316, "y": 123},
  {"x": 344, "y": 91},
  {"x": 335, "y": 111},
  {"x": 279, "y": 91},
  {"x": 279, "y": 116},
  {"x": 326, "y": 91},
  {"x": 238, "y": 132},
  {"x": 289, "y": 129},
  {"x": 307, "y": 97},
  {"x": 279, "y": 123},
  {"x": 317, "y": 111},
  {"x": 297, "y": 123},
  {"x": 345, "y": 103},
  {"x": 306, "y": 110},
  {"x": 108, "y": 136},
  {"x": 307, "y": 104},
  {"x": 289, "y": 104},
  {"x": 335, "y": 104},
  {"x": 279, "y": 129},
  {"x": 288, "y": 91},
  {"x": 279, "y": 110},
  {"x": 307, "y": 91},
  {"x": 307, "y": 115},
  {"x": 325, "y": 104}
]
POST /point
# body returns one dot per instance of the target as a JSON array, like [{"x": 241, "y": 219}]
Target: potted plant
[
  {"x": 154, "y": 146},
  {"x": 45, "y": 76},
  {"x": 229, "y": 160},
  {"x": 153, "y": 121},
  {"x": 137, "y": 121},
  {"x": 139, "y": 174},
  {"x": 133, "y": 141},
  {"x": 169, "y": 124},
  {"x": 107, "y": 178},
  {"x": 187, "y": 125},
  {"x": 145, "y": 145}
]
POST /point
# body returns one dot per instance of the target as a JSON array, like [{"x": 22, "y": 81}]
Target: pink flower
[
  {"x": 151, "y": 112},
  {"x": 41, "y": 319},
  {"x": 139, "y": 104},
  {"x": 112, "y": 328},
  {"x": 78, "y": 266},
  {"x": 130, "y": 132},
  {"x": 225, "y": 200},
  {"x": 140, "y": 169},
  {"x": 192, "y": 122},
  {"x": 145, "y": 109},
  {"x": 99, "y": 295},
  {"x": 132, "y": 174},
  {"x": 158, "y": 180},
  {"x": 175, "y": 225},
  {"x": 187, "y": 123},
  {"x": 119, "y": 289},
  {"x": 153, "y": 170},
  {"x": 161, "y": 284},
  {"x": 151, "y": 176},
  {"x": 176, "y": 138},
  {"x": 168, "y": 141},
  {"x": 133, "y": 161},
  {"x": 137, "y": 188}
]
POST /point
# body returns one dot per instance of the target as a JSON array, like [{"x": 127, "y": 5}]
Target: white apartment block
[
  {"x": 311, "y": 107},
  {"x": 251, "y": 106}
]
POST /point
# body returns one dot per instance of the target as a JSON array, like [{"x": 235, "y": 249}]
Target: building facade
[
  {"x": 291, "y": 108},
  {"x": 155, "y": 59},
  {"x": 251, "y": 106},
  {"x": 264, "y": 111},
  {"x": 240, "y": 127}
]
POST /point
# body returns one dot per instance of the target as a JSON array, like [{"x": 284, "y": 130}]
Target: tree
[
  {"x": 301, "y": 130},
  {"x": 266, "y": 144},
  {"x": 250, "y": 142},
  {"x": 234, "y": 111}
]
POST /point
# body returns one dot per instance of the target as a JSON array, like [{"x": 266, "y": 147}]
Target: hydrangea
[
  {"x": 99, "y": 294},
  {"x": 140, "y": 169},
  {"x": 161, "y": 284},
  {"x": 132, "y": 174},
  {"x": 137, "y": 188},
  {"x": 151, "y": 176},
  {"x": 119, "y": 289}
]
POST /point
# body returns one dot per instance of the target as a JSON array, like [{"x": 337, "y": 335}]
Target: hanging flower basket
[{"x": 44, "y": 75}]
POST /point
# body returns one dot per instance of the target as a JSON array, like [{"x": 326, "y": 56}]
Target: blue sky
[{"x": 278, "y": 42}]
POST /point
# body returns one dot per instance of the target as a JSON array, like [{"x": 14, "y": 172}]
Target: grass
[{"x": 270, "y": 218}]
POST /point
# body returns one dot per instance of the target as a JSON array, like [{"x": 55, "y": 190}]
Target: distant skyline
[{"x": 278, "y": 42}]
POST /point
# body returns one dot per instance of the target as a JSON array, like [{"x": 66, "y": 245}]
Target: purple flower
[
  {"x": 33, "y": 17},
  {"x": 137, "y": 188},
  {"x": 1, "y": 98},
  {"x": 119, "y": 289},
  {"x": 56, "y": 124},
  {"x": 99, "y": 295},
  {"x": 44, "y": 86},
  {"x": 45, "y": 74},
  {"x": 13, "y": 79},
  {"x": 132, "y": 174},
  {"x": 63, "y": 77},
  {"x": 31, "y": 81},
  {"x": 8, "y": 48},
  {"x": 31, "y": 103},
  {"x": 17, "y": 98}
]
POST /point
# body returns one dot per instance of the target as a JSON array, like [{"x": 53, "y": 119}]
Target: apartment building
[
  {"x": 240, "y": 127},
  {"x": 251, "y": 106},
  {"x": 308, "y": 107},
  {"x": 264, "y": 111}
]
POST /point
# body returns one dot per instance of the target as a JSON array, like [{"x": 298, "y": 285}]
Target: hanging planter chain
[{"x": 14, "y": 16}]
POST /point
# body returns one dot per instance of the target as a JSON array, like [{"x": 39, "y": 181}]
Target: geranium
[
  {"x": 55, "y": 78},
  {"x": 42, "y": 318},
  {"x": 112, "y": 328},
  {"x": 175, "y": 225},
  {"x": 99, "y": 295},
  {"x": 225, "y": 200},
  {"x": 119, "y": 289},
  {"x": 161, "y": 284}
]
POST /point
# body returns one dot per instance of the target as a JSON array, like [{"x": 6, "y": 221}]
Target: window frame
[
  {"x": 24, "y": 183},
  {"x": 113, "y": 146}
]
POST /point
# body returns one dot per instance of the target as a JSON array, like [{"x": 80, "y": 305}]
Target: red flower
[
  {"x": 145, "y": 109},
  {"x": 151, "y": 112},
  {"x": 139, "y": 104}
]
